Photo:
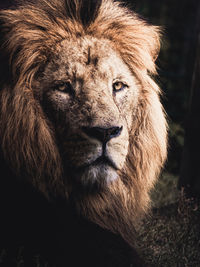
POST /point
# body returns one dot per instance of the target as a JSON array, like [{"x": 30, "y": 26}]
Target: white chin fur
[{"x": 101, "y": 173}]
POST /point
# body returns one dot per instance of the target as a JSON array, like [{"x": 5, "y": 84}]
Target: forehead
[
  {"x": 87, "y": 50},
  {"x": 86, "y": 56}
]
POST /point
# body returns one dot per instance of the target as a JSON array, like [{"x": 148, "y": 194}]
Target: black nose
[{"x": 103, "y": 134}]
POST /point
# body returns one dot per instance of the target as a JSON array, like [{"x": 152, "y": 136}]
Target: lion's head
[{"x": 80, "y": 114}]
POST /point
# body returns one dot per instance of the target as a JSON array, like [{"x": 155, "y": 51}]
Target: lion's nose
[{"x": 103, "y": 134}]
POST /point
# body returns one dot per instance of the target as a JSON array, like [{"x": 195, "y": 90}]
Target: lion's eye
[
  {"x": 118, "y": 86},
  {"x": 64, "y": 87}
]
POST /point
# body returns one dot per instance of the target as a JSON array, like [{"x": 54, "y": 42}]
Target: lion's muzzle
[
  {"x": 103, "y": 134},
  {"x": 99, "y": 163}
]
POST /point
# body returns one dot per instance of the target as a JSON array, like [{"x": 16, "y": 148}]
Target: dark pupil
[
  {"x": 62, "y": 86},
  {"x": 65, "y": 87},
  {"x": 118, "y": 86}
]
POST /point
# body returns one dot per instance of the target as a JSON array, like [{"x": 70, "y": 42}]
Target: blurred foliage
[
  {"x": 175, "y": 63},
  {"x": 165, "y": 191}
]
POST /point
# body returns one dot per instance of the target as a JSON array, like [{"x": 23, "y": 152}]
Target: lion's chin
[{"x": 95, "y": 178}]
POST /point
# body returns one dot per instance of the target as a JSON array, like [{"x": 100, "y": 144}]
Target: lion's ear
[{"x": 144, "y": 43}]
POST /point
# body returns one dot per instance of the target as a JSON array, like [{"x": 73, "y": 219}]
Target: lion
[{"x": 81, "y": 117}]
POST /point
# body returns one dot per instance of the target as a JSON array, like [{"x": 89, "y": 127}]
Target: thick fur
[{"x": 29, "y": 36}]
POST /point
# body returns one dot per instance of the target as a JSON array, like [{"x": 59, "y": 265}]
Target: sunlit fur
[{"x": 29, "y": 36}]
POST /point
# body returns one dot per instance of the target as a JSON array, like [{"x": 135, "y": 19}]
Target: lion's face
[{"x": 89, "y": 95}]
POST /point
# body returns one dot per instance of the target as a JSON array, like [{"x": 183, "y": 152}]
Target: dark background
[{"x": 179, "y": 20}]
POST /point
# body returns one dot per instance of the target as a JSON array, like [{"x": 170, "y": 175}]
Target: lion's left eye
[
  {"x": 118, "y": 86},
  {"x": 64, "y": 87}
]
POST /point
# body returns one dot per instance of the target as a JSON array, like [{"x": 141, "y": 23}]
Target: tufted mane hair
[{"x": 28, "y": 36}]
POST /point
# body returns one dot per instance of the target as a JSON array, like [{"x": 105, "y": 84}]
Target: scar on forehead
[{"x": 91, "y": 58}]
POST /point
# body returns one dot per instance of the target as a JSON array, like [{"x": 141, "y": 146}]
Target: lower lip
[
  {"x": 98, "y": 162},
  {"x": 103, "y": 161}
]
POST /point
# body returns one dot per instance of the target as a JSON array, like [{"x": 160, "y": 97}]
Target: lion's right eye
[
  {"x": 119, "y": 86},
  {"x": 64, "y": 87}
]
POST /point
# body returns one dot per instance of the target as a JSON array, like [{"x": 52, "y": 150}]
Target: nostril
[
  {"x": 103, "y": 134},
  {"x": 115, "y": 131},
  {"x": 95, "y": 132}
]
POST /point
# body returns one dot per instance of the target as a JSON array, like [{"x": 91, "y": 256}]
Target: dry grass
[{"x": 171, "y": 235}]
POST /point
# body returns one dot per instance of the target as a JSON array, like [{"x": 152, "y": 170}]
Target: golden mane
[{"x": 28, "y": 37}]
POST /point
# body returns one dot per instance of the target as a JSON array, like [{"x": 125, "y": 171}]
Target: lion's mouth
[
  {"x": 93, "y": 177},
  {"x": 102, "y": 160}
]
